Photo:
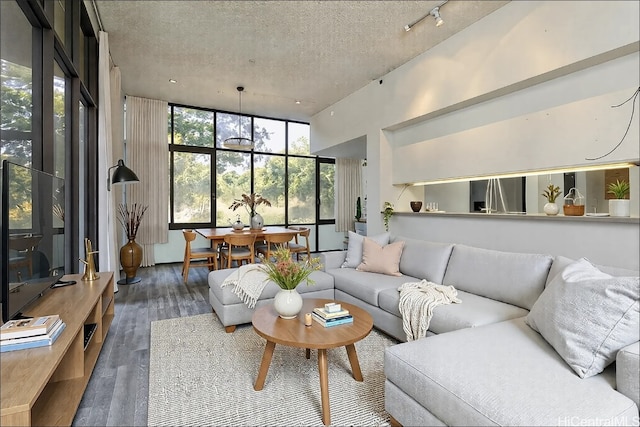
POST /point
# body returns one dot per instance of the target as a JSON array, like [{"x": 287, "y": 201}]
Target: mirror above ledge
[{"x": 522, "y": 195}]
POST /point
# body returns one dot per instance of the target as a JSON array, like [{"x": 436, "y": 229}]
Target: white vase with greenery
[
  {"x": 551, "y": 193},
  {"x": 620, "y": 206}
]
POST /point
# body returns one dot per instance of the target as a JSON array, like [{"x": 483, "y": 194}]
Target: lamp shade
[{"x": 121, "y": 175}]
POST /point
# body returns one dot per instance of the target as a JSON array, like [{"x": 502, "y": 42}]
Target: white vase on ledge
[
  {"x": 551, "y": 208},
  {"x": 619, "y": 207}
]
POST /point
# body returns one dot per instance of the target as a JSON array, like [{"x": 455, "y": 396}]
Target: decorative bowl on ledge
[{"x": 416, "y": 205}]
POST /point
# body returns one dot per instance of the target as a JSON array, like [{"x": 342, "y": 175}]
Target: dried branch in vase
[{"x": 130, "y": 218}]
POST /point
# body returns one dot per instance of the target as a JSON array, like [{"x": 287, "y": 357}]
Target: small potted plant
[
  {"x": 619, "y": 205},
  {"x": 387, "y": 213},
  {"x": 551, "y": 193}
]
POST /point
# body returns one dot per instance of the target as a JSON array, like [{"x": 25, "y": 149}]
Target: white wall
[{"x": 530, "y": 86}]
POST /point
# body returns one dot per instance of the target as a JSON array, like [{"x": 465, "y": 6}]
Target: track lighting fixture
[{"x": 435, "y": 12}]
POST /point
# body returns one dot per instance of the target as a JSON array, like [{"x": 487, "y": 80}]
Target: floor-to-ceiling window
[
  {"x": 48, "y": 75},
  {"x": 205, "y": 177}
]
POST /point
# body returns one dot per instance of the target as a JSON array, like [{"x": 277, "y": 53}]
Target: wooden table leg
[
  {"x": 355, "y": 364},
  {"x": 324, "y": 385},
  {"x": 264, "y": 365}
]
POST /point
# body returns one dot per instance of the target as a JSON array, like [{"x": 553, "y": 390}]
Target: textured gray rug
[{"x": 200, "y": 375}]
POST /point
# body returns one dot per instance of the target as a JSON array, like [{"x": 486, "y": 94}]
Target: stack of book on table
[
  {"x": 21, "y": 334},
  {"x": 331, "y": 314}
]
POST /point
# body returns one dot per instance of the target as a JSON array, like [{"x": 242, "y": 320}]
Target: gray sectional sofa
[{"x": 482, "y": 363}]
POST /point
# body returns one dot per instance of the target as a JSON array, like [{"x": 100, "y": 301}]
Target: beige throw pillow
[{"x": 381, "y": 259}]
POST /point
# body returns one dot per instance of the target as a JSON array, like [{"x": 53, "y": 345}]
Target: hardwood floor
[{"x": 117, "y": 392}]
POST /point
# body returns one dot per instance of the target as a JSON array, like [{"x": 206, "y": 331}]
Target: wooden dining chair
[
  {"x": 208, "y": 255},
  {"x": 273, "y": 242},
  {"x": 239, "y": 248},
  {"x": 296, "y": 247}
]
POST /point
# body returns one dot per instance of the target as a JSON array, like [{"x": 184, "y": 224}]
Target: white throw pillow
[
  {"x": 354, "y": 248},
  {"x": 587, "y": 316}
]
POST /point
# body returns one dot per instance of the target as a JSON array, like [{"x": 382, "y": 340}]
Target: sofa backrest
[
  {"x": 514, "y": 278},
  {"x": 561, "y": 262},
  {"x": 424, "y": 260}
]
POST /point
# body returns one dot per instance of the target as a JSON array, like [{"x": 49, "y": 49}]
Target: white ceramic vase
[
  {"x": 551, "y": 208},
  {"x": 287, "y": 303},
  {"x": 257, "y": 222},
  {"x": 619, "y": 207}
]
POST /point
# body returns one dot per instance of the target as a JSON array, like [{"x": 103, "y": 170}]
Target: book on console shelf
[
  {"x": 41, "y": 341},
  {"x": 322, "y": 312},
  {"x": 21, "y": 328},
  {"x": 332, "y": 322}
]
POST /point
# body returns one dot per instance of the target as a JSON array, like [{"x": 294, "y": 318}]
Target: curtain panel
[
  {"x": 108, "y": 85},
  {"x": 348, "y": 182},
  {"x": 148, "y": 155}
]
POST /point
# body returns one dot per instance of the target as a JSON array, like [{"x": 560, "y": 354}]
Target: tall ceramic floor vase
[
  {"x": 257, "y": 222},
  {"x": 130, "y": 258},
  {"x": 287, "y": 303}
]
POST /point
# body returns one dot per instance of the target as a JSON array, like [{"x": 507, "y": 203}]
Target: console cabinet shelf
[{"x": 44, "y": 385}]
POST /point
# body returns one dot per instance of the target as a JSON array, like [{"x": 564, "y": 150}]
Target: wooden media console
[{"x": 44, "y": 385}]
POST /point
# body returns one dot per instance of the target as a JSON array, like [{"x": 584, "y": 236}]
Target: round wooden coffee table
[{"x": 294, "y": 333}]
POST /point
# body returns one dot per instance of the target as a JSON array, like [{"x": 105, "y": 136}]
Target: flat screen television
[{"x": 33, "y": 239}]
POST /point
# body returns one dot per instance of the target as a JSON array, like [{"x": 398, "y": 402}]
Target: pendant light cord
[{"x": 633, "y": 109}]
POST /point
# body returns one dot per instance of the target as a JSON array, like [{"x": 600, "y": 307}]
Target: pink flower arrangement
[{"x": 286, "y": 272}]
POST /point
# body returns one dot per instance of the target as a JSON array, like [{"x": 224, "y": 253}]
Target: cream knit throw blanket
[
  {"x": 249, "y": 280},
  {"x": 417, "y": 301}
]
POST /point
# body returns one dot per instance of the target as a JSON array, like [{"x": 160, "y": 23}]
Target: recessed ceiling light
[
  {"x": 297, "y": 102},
  {"x": 173, "y": 81}
]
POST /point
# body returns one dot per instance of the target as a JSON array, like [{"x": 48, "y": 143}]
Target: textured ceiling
[{"x": 315, "y": 52}]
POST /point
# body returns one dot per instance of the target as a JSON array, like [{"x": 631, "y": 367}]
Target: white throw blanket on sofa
[
  {"x": 248, "y": 280},
  {"x": 417, "y": 301}
]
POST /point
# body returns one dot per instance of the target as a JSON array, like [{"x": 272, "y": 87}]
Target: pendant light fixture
[{"x": 238, "y": 142}]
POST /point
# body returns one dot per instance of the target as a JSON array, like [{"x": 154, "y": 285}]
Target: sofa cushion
[
  {"x": 628, "y": 372},
  {"x": 424, "y": 260},
  {"x": 381, "y": 259},
  {"x": 561, "y": 262},
  {"x": 514, "y": 278},
  {"x": 354, "y": 248},
  {"x": 226, "y": 296},
  {"x": 587, "y": 316},
  {"x": 473, "y": 311},
  {"x": 366, "y": 286},
  {"x": 502, "y": 374}
]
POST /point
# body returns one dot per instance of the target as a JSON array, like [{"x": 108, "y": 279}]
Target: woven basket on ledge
[{"x": 573, "y": 210}]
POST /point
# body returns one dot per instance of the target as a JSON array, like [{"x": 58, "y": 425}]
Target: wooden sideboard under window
[{"x": 44, "y": 385}]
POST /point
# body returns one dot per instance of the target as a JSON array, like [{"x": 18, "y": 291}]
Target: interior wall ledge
[{"x": 523, "y": 217}]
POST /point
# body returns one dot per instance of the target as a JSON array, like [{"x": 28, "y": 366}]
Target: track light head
[
  {"x": 435, "y": 12},
  {"x": 407, "y": 27}
]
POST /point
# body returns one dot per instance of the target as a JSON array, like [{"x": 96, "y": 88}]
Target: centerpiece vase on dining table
[{"x": 257, "y": 222}]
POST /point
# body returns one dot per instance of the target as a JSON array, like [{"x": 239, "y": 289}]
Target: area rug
[{"x": 200, "y": 375}]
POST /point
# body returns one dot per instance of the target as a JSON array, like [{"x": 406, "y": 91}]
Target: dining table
[{"x": 216, "y": 235}]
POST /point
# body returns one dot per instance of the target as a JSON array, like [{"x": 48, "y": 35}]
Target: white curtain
[
  {"x": 348, "y": 182},
  {"x": 108, "y": 249},
  {"x": 148, "y": 156}
]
